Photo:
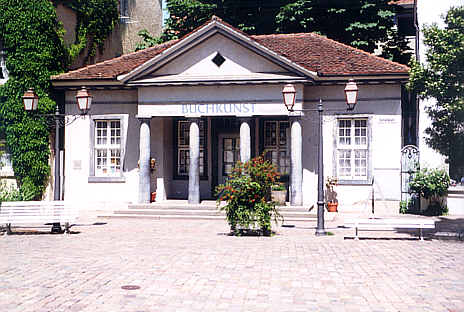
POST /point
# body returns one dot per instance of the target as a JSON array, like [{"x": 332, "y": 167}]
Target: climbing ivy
[
  {"x": 96, "y": 20},
  {"x": 31, "y": 38},
  {"x": 34, "y": 48}
]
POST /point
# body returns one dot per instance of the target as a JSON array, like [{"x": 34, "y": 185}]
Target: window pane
[
  {"x": 344, "y": 162},
  {"x": 360, "y": 157},
  {"x": 270, "y": 133},
  {"x": 360, "y": 132},
  {"x": 183, "y": 134},
  {"x": 344, "y": 131},
  {"x": 283, "y": 126}
]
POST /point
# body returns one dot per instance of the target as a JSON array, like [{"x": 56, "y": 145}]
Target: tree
[
  {"x": 359, "y": 23},
  {"x": 442, "y": 78}
]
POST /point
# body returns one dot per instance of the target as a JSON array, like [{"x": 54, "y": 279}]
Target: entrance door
[{"x": 228, "y": 154}]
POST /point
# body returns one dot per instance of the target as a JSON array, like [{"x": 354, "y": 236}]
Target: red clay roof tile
[{"x": 311, "y": 51}]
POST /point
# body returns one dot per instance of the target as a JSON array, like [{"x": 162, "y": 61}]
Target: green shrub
[
  {"x": 431, "y": 184},
  {"x": 247, "y": 196}
]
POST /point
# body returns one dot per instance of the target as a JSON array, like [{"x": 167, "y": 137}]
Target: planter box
[{"x": 279, "y": 196}]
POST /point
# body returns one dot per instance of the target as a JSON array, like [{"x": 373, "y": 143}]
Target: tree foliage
[
  {"x": 442, "y": 78},
  {"x": 359, "y": 23}
]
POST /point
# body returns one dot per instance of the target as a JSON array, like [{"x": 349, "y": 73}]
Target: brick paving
[{"x": 194, "y": 266}]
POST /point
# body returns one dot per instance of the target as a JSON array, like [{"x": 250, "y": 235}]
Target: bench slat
[{"x": 379, "y": 224}]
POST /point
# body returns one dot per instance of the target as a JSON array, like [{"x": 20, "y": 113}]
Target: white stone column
[
  {"x": 144, "y": 161},
  {"x": 194, "y": 168},
  {"x": 245, "y": 140},
  {"x": 296, "y": 161}
]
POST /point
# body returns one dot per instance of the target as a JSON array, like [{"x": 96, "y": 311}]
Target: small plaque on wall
[{"x": 387, "y": 121}]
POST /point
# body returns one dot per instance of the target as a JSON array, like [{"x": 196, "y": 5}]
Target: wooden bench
[
  {"x": 36, "y": 212},
  {"x": 381, "y": 224}
]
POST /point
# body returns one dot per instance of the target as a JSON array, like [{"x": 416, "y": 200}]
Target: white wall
[
  {"x": 77, "y": 188},
  {"x": 382, "y": 105}
]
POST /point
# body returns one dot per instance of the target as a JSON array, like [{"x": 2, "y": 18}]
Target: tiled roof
[
  {"x": 110, "y": 69},
  {"x": 328, "y": 57},
  {"x": 313, "y": 52}
]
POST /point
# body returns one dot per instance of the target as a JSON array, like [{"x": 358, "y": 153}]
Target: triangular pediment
[{"x": 216, "y": 52}]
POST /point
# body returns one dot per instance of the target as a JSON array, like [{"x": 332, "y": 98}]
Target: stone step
[
  {"x": 191, "y": 217},
  {"x": 205, "y": 212},
  {"x": 203, "y": 207}
]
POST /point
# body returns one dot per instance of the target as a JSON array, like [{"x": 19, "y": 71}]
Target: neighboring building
[
  {"x": 134, "y": 16},
  {"x": 215, "y": 96}
]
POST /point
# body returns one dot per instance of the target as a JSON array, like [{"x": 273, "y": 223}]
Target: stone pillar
[
  {"x": 245, "y": 140},
  {"x": 144, "y": 161},
  {"x": 296, "y": 178},
  {"x": 194, "y": 169}
]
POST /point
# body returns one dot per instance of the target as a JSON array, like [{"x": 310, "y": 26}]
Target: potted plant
[
  {"x": 279, "y": 193},
  {"x": 331, "y": 195},
  {"x": 246, "y": 192}
]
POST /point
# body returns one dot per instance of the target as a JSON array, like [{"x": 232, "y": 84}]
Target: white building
[{"x": 215, "y": 97}]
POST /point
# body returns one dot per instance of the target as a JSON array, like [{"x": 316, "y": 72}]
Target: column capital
[
  {"x": 143, "y": 118},
  {"x": 193, "y": 118}
]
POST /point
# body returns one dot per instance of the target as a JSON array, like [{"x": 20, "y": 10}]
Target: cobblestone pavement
[{"x": 195, "y": 266}]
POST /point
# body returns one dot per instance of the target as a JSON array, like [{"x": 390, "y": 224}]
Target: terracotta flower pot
[
  {"x": 332, "y": 207},
  {"x": 153, "y": 197}
]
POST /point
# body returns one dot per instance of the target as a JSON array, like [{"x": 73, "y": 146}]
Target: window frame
[
  {"x": 353, "y": 179},
  {"x": 186, "y": 147},
  {"x": 93, "y": 178}
]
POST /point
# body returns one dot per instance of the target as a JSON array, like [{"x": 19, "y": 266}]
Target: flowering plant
[
  {"x": 247, "y": 195},
  {"x": 331, "y": 182},
  {"x": 331, "y": 194}
]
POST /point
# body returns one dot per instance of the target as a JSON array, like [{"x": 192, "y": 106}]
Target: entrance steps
[{"x": 206, "y": 210}]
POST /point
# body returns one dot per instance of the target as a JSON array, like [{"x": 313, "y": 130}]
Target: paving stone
[{"x": 183, "y": 265}]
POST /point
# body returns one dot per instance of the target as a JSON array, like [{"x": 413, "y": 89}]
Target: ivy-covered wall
[{"x": 32, "y": 42}]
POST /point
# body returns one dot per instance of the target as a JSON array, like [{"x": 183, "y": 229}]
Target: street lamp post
[
  {"x": 289, "y": 95},
  {"x": 30, "y": 102}
]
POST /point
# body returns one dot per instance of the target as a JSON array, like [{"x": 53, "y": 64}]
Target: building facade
[
  {"x": 134, "y": 16},
  {"x": 176, "y": 117}
]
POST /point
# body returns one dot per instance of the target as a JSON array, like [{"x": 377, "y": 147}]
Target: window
[
  {"x": 352, "y": 149},
  {"x": 108, "y": 133},
  {"x": 124, "y": 10},
  {"x": 107, "y": 148},
  {"x": 183, "y": 153},
  {"x": 6, "y": 169},
  {"x": 275, "y": 144},
  {"x": 3, "y": 69}
]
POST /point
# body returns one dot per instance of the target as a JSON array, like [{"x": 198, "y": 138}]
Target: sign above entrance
[{"x": 209, "y": 109}]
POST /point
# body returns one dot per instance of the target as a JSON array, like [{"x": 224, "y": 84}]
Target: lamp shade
[
  {"x": 289, "y": 96},
  {"x": 30, "y": 100},
  {"x": 84, "y": 100},
  {"x": 351, "y": 94}
]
